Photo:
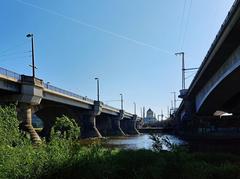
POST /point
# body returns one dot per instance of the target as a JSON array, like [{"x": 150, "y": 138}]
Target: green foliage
[
  {"x": 65, "y": 127},
  {"x": 64, "y": 158},
  {"x": 9, "y": 126}
]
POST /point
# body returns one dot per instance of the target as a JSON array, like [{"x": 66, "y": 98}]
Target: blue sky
[{"x": 129, "y": 45}]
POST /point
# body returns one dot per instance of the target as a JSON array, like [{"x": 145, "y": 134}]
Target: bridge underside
[{"x": 224, "y": 97}]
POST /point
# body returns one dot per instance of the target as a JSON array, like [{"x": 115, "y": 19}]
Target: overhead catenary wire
[
  {"x": 15, "y": 58},
  {"x": 13, "y": 47},
  {"x": 181, "y": 23},
  {"x": 189, "y": 76},
  {"x": 184, "y": 22},
  {"x": 187, "y": 23},
  {"x": 14, "y": 54}
]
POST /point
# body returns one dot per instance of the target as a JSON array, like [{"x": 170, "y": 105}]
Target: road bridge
[
  {"x": 33, "y": 96},
  {"x": 216, "y": 86}
]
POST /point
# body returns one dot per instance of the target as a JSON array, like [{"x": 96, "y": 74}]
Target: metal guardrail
[
  {"x": 62, "y": 91},
  {"x": 113, "y": 108},
  {"x": 10, "y": 74}
]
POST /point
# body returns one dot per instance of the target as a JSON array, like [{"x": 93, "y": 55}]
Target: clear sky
[{"x": 128, "y": 44}]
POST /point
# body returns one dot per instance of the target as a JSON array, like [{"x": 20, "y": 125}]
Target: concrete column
[
  {"x": 89, "y": 121},
  {"x": 95, "y": 132},
  {"x": 116, "y": 128},
  {"x": 89, "y": 128},
  {"x": 116, "y": 124},
  {"x": 25, "y": 116},
  {"x": 133, "y": 125},
  {"x": 104, "y": 124},
  {"x": 129, "y": 125}
]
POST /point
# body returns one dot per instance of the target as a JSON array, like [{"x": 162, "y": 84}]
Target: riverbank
[
  {"x": 65, "y": 159},
  {"x": 63, "y": 156}
]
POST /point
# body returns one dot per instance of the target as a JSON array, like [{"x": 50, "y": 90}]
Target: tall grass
[{"x": 66, "y": 158}]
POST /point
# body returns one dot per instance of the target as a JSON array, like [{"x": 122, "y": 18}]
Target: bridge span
[
  {"x": 216, "y": 86},
  {"x": 33, "y": 96}
]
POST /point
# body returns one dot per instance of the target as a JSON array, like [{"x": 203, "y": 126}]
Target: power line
[
  {"x": 13, "y": 47},
  {"x": 15, "y": 58},
  {"x": 181, "y": 23},
  {"x": 187, "y": 22},
  {"x": 13, "y": 54},
  {"x": 189, "y": 76}
]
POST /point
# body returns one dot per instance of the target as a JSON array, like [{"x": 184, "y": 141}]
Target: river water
[{"x": 142, "y": 141}]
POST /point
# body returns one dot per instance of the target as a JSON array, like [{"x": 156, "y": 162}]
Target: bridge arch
[{"x": 48, "y": 115}]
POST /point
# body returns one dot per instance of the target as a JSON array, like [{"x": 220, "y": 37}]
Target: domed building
[{"x": 150, "y": 118}]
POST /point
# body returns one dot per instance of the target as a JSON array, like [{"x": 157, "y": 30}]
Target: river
[{"x": 142, "y": 141}]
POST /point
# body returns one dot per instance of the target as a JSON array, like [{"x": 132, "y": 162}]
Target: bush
[
  {"x": 9, "y": 126},
  {"x": 66, "y": 128},
  {"x": 64, "y": 158}
]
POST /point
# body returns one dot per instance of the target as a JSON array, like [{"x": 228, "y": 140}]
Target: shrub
[
  {"x": 9, "y": 126},
  {"x": 65, "y": 127}
]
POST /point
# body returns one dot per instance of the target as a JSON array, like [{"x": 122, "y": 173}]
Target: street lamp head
[
  {"x": 96, "y": 78},
  {"x": 179, "y": 53},
  {"x": 29, "y": 35}
]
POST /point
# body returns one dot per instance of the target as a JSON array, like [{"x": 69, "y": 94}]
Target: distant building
[{"x": 150, "y": 118}]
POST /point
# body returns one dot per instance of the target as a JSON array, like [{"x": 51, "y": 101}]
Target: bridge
[
  {"x": 33, "y": 96},
  {"x": 216, "y": 86}
]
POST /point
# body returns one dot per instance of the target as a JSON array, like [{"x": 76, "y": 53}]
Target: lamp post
[
  {"x": 134, "y": 108},
  {"x": 183, "y": 68},
  {"x": 48, "y": 84},
  {"x": 33, "y": 61},
  {"x": 174, "y": 100},
  {"x": 121, "y": 101},
  {"x": 97, "y": 79}
]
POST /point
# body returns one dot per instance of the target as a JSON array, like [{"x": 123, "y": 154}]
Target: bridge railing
[
  {"x": 110, "y": 107},
  {"x": 62, "y": 91},
  {"x": 10, "y": 74}
]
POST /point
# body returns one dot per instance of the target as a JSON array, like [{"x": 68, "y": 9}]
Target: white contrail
[{"x": 95, "y": 27}]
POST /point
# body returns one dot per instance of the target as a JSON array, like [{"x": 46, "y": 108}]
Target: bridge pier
[
  {"x": 31, "y": 95},
  {"x": 104, "y": 124},
  {"x": 89, "y": 126},
  {"x": 25, "y": 115},
  {"x": 129, "y": 125},
  {"x": 115, "y": 124}
]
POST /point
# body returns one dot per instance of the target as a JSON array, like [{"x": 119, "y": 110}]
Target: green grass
[
  {"x": 65, "y": 159},
  {"x": 62, "y": 158}
]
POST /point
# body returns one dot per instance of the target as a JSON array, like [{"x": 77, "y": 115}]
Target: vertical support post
[
  {"x": 25, "y": 115},
  {"x": 96, "y": 133},
  {"x": 183, "y": 69},
  {"x": 121, "y": 101},
  {"x": 98, "y": 98},
  {"x": 134, "y": 108},
  {"x": 33, "y": 60}
]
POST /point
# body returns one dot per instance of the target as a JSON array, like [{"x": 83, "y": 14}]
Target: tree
[{"x": 65, "y": 127}]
